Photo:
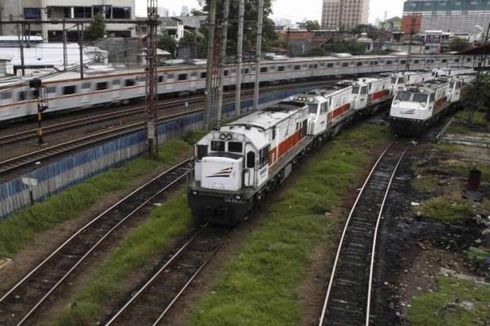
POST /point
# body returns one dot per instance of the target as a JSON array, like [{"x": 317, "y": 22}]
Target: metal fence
[{"x": 77, "y": 167}]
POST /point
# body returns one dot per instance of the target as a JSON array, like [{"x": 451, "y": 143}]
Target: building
[
  {"x": 62, "y": 9},
  {"x": 344, "y": 14},
  {"x": 456, "y": 16}
]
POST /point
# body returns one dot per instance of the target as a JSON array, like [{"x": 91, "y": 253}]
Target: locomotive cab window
[
  {"x": 235, "y": 147},
  {"x": 218, "y": 146},
  {"x": 364, "y": 90},
  {"x": 263, "y": 156},
  {"x": 202, "y": 151}
]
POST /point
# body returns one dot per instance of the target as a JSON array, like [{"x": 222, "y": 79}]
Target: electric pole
[
  {"x": 65, "y": 56},
  {"x": 80, "y": 47},
  {"x": 42, "y": 105},
  {"x": 258, "y": 53},
  {"x": 224, "y": 39},
  {"x": 151, "y": 78},
  {"x": 239, "y": 56},
  {"x": 208, "y": 118}
]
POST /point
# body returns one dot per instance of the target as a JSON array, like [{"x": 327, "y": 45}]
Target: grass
[
  {"x": 444, "y": 307},
  {"x": 445, "y": 209},
  {"x": 21, "y": 228},
  {"x": 134, "y": 254},
  {"x": 260, "y": 286},
  {"x": 460, "y": 125}
]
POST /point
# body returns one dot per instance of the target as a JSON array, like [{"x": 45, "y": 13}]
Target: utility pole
[
  {"x": 224, "y": 39},
  {"x": 80, "y": 46},
  {"x": 65, "y": 57},
  {"x": 42, "y": 105},
  {"x": 208, "y": 122},
  {"x": 20, "y": 35},
  {"x": 239, "y": 56},
  {"x": 258, "y": 53},
  {"x": 151, "y": 78}
]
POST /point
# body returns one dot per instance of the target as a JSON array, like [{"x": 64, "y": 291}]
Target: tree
[
  {"x": 345, "y": 47},
  {"x": 269, "y": 36},
  {"x": 312, "y": 25},
  {"x": 167, "y": 43},
  {"x": 96, "y": 30},
  {"x": 458, "y": 44},
  {"x": 317, "y": 52}
]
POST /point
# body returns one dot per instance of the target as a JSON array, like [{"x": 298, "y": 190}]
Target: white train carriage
[
  {"x": 416, "y": 108},
  {"x": 236, "y": 164},
  {"x": 407, "y": 78},
  {"x": 67, "y": 91},
  {"x": 370, "y": 93},
  {"x": 329, "y": 110}
]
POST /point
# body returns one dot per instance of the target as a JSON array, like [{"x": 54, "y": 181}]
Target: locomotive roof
[{"x": 269, "y": 117}]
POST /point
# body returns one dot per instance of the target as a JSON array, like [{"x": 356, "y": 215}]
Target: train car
[
  {"x": 416, "y": 108},
  {"x": 370, "y": 93},
  {"x": 237, "y": 164},
  {"x": 407, "y": 78},
  {"x": 66, "y": 91},
  {"x": 330, "y": 109}
]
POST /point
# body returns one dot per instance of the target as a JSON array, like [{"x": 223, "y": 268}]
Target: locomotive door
[
  {"x": 250, "y": 164},
  {"x": 362, "y": 99}
]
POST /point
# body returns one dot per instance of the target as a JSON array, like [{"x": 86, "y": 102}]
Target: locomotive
[{"x": 236, "y": 165}]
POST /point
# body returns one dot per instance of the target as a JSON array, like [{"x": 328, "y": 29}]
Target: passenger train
[{"x": 67, "y": 91}]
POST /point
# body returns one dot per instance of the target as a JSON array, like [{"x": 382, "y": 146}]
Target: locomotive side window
[
  {"x": 273, "y": 133},
  {"x": 202, "y": 151},
  {"x": 297, "y": 67},
  {"x": 281, "y": 68},
  {"x": 263, "y": 156},
  {"x": 329, "y": 65},
  {"x": 263, "y": 69},
  {"x": 129, "y": 82},
  {"x": 218, "y": 146},
  {"x": 345, "y": 64},
  {"x": 235, "y": 147},
  {"x": 67, "y": 90},
  {"x": 101, "y": 86},
  {"x": 250, "y": 160},
  {"x": 181, "y": 77}
]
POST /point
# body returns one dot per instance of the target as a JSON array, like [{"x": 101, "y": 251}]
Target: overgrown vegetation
[
  {"x": 478, "y": 257},
  {"x": 133, "y": 255},
  {"x": 260, "y": 285},
  {"x": 456, "y": 302},
  {"x": 21, "y": 228},
  {"x": 445, "y": 209}
]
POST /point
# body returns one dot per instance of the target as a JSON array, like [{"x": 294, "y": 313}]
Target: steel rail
[
  {"x": 155, "y": 275},
  {"x": 85, "y": 227},
  {"x": 344, "y": 232},
  {"x": 375, "y": 239},
  {"x": 56, "y": 150}
]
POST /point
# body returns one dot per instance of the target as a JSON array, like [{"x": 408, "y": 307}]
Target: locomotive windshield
[
  {"x": 403, "y": 96},
  {"x": 355, "y": 90},
  {"x": 420, "y": 97},
  {"x": 313, "y": 108}
]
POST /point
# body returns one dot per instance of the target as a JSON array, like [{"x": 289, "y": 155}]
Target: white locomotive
[
  {"x": 67, "y": 91},
  {"x": 237, "y": 164},
  {"x": 417, "y": 107}
]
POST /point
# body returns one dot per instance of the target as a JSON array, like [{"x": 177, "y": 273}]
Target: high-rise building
[
  {"x": 456, "y": 16},
  {"x": 344, "y": 14}
]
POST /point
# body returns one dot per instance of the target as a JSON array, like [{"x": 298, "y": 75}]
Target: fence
[{"x": 75, "y": 168}]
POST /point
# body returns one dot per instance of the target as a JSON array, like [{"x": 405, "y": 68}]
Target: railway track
[
  {"x": 98, "y": 117},
  {"x": 50, "y": 152},
  {"x": 23, "y": 300},
  {"x": 348, "y": 297},
  {"x": 153, "y": 300}
]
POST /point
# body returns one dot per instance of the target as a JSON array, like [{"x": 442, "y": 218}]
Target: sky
[{"x": 294, "y": 10}]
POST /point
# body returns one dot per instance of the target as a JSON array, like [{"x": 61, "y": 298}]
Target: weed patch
[
  {"x": 456, "y": 302},
  {"x": 136, "y": 251},
  {"x": 444, "y": 209}
]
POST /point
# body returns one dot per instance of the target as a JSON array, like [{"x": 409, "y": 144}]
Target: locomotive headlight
[
  {"x": 238, "y": 197},
  {"x": 229, "y": 137},
  {"x": 222, "y": 137}
]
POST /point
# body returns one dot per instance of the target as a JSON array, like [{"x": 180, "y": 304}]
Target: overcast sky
[{"x": 295, "y": 10}]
